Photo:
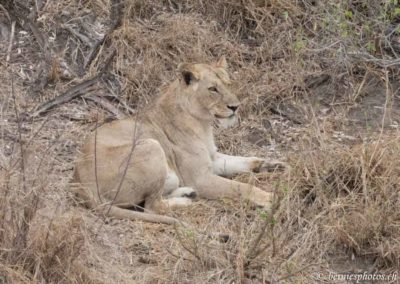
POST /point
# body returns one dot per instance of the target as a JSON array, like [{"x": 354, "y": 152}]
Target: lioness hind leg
[{"x": 131, "y": 175}]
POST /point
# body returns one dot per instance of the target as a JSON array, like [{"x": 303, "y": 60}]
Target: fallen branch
[
  {"x": 106, "y": 105},
  {"x": 86, "y": 40},
  {"x": 127, "y": 108},
  {"x": 366, "y": 57},
  {"x": 75, "y": 91},
  {"x": 71, "y": 94},
  {"x": 11, "y": 42}
]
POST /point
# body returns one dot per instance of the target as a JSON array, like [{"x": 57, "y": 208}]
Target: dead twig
[
  {"x": 128, "y": 162},
  {"x": 117, "y": 13},
  {"x": 82, "y": 37},
  {"x": 75, "y": 91},
  {"x": 194, "y": 253},
  {"x": 69, "y": 95},
  {"x": 19, "y": 127},
  {"x": 43, "y": 43},
  {"x": 269, "y": 222},
  {"x": 5, "y": 12},
  {"x": 128, "y": 109},
  {"x": 106, "y": 105},
  {"x": 30, "y": 204},
  {"x": 11, "y": 41},
  {"x": 366, "y": 57},
  {"x": 176, "y": 256},
  {"x": 129, "y": 158},
  {"x": 95, "y": 159}
]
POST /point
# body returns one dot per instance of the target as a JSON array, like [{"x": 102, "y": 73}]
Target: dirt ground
[{"x": 319, "y": 86}]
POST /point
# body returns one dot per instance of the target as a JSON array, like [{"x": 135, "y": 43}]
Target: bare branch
[
  {"x": 11, "y": 41},
  {"x": 106, "y": 105},
  {"x": 75, "y": 91}
]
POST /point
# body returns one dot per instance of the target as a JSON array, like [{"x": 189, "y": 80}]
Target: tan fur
[{"x": 172, "y": 146}]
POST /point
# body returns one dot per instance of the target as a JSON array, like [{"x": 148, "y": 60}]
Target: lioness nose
[{"x": 233, "y": 108}]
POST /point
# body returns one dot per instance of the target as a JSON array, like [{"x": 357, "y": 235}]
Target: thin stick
[
  {"x": 117, "y": 13},
  {"x": 177, "y": 257},
  {"x": 252, "y": 250},
  {"x": 11, "y": 42},
  {"x": 106, "y": 105},
  {"x": 252, "y": 253},
  {"x": 69, "y": 95},
  {"x": 82, "y": 37},
  {"x": 21, "y": 235},
  {"x": 127, "y": 163},
  {"x": 19, "y": 127},
  {"x": 5, "y": 12},
  {"x": 194, "y": 253},
  {"x": 75, "y": 91},
  {"x": 95, "y": 158}
]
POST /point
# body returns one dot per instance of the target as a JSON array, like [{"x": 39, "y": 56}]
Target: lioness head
[{"x": 206, "y": 87}]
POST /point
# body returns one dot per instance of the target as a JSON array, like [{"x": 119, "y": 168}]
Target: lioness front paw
[
  {"x": 264, "y": 203},
  {"x": 261, "y": 165},
  {"x": 263, "y": 206}
]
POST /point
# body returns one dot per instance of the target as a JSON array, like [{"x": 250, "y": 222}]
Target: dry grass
[{"x": 306, "y": 73}]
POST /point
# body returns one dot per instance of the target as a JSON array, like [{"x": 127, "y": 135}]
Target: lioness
[{"x": 167, "y": 155}]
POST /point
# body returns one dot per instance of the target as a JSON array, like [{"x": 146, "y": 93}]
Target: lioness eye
[{"x": 213, "y": 89}]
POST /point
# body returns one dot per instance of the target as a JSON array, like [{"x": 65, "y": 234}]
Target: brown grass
[{"x": 305, "y": 72}]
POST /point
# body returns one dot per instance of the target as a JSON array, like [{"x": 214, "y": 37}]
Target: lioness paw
[
  {"x": 177, "y": 202},
  {"x": 264, "y": 203},
  {"x": 261, "y": 165}
]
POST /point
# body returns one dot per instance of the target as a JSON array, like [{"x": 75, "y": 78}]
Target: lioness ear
[
  {"x": 188, "y": 73},
  {"x": 221, "y": 63}
]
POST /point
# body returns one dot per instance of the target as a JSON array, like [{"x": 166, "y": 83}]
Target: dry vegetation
[{"x": 319, "y": 86}]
